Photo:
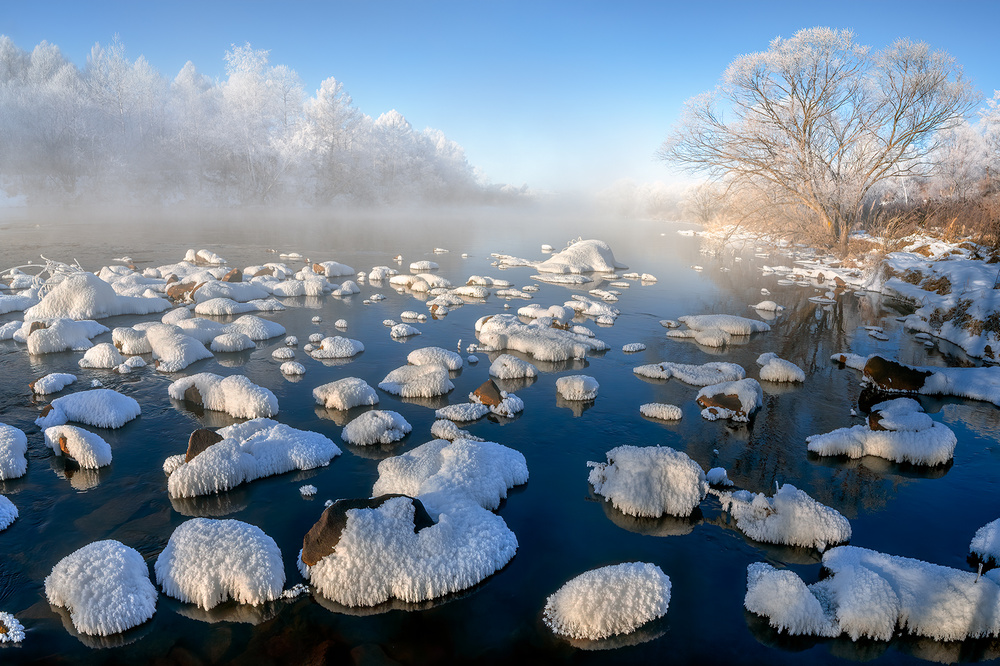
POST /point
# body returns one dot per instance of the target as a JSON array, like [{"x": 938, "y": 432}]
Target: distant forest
[{"x": 117, "y": 130}]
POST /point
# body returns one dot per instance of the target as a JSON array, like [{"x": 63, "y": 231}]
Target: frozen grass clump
[
  {"x": 577, "y": 387},
  {"x": 376, "y": 427},
  {"x": 662, "y": 411},
  {"x": 774, "y": 369},
  {"x": 106, "y": 587},
  {"x": 696, "y": 375},
  {"x": 101, "y": 408},
  {"x": 791, "y": 518},
  {"x": 429, "y": 355},
  {"x": 89, "y": 450},
  {"x": 417, "y": 381},
  {"x": 207, "y": 562},
  {"x": 236, "y": 395},
  {"x": 448, "y": 474},
  {"x": 13, "y": 446},
  {"x": 506, "y": 366},
  {"x": 616, "y": 599},
  {"x": 649, "y": 481},
  {"x": 345, "y": 394}
]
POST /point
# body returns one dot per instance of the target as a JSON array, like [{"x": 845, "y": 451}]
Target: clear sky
[{"x": 567, "y": 95}]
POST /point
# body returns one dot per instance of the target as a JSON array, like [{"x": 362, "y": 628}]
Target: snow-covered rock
[
  {"x": 577, "y": 387},
  {"x": 696, "y": 375},
  {"x": 662, "y": 411},
  {"x": 506, "y": 366},
  {"x": 376, "y": 427},
  {"x": 428, "y": 355},
  {"x": 337, "y": 347},
  {"x": 13, "y": 446},
  {"x": 417, "y": 381},
  {"x": 101, "y": 408},
  {"x": 649, "y": 481},
  {"x": 86, "y": 296},
  {"x": 236, "y": 395},
  {"x": 791, "y": 518},
  {"x": 102, "y": 356},
  {"x": 88, "y": 449},
  {"x": 345, "y": 394},
  {"x": 774, "y": 369},
  {"x": 537, "y": 338},
  {"x": 731, "y": 400}
]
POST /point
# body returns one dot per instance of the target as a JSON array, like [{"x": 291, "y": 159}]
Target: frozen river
[{"x": 563, "y": 528}]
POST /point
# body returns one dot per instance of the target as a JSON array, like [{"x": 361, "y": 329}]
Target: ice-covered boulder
[
  {"x": 102, "y": 356},
  {"x": 59, "y": 335},
  {"x": 791, "y": 517},
  {"x": 616, "y": 599},
  {"x": 255, "y": 328},
  {"x": 174, "y": 351},
  {"x": 985, "y": 544},
  {"x": 13, "y": 446},
  {"x": 345, "y": 394},
  {"x": 106, "y": 587},
  {"x": 236, "y": 395},
  {"x": 659, "y": 410},
  {"x": 731, "y": 400},
  {"x": 207, "y": 562},
  {"x": 428, "y": 355},
  {"x": 506, "y": 366},
  {"x": 582, "y": 256},
  {"x": 376, "y": 427},
  {"x": 774, "y": 369},
  {"x": 51, "y": 383},
  {"x": 577, "y": 387},
  {"x": 417, "y": 381},
  {"x": 337, "y": 347},
  {"x": 706, "y": 374},
  {"x": 86, "y": 296},
  {"x": 101, "y": 408},
  {"x": 232, "y": 342},
  {"x": 537, "y": 338},
  {"x": 731, "y": 324},
  {"x": 8, "y": 513},
  {"x": 88, "y": 449},
  {"x": 649, "y": 481}
]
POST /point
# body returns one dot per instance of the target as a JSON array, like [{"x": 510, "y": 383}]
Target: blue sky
[{"x": 560, "y": 95}]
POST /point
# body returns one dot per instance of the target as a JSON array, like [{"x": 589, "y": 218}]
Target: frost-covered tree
[{"x": 816, "y": 123}]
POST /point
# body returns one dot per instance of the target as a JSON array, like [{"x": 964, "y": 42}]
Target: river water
[{"x": 562, "y": 527}]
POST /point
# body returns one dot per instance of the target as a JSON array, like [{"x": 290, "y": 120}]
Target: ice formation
[
  {"x": 337, "y": 347},
  {"x": 417, "y": 381},
  {"x": 232, "y": 342},
  {"x": 13, "y": 630},
  {"x": 731, "y": 400},
  {"x": 633, "y": 347},
  {"x": 427, "y": 355},
  {"x": 538, "y": 338},
  {"x": 448, "y": 474},
  {"x": 904, "y": 434},
  {"x": 101, "y": 408},
  {"x": 106, "y": 587},
  {"x": 376, "y": 427},
  {"x": 8, "y": 513},
  {"x": 662, "y": 411},
  {"x": 445, "y": 429},
  {"x": 13, "y": 446},
  {"x": 577, "y": 387},
  {"x": 89, "y": 450},
  {"x": 404, "y": 331},
  {"x": 236, "y": 395},
  {"x": 345, "y": 394},
  {"x": 717, "y": 476},
  {"x": 60, "y": 335},
  {"x": 985, "y": 543},
  {"x": 649, "y": 481},
  {"x": 172, "y": 350},
  {"x": 616, "y": 599},
  {"x": 506, "y": 366},
  {"x": 86, "y": 296},
  {"x": 207, "y": 562},
  {"x": 774, "y": 369},
  {"x": 696, "y": 375},
  {"x": 582, "y": 256},
  {"x": 255, "y": 328},
  {"x": 101, "y": 356},
  {"x": 248, "y": 451},
  {"x": 767, "y": 306},
  {"x": 731, "y": 324},
  {"x": 791, "y": 518},
  {"x": 283, "y": 354}
]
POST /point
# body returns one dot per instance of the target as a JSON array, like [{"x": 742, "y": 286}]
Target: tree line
[{"x": 117, "y": 130}]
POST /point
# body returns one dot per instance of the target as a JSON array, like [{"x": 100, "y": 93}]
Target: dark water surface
[{"x": 563, "y": 529}]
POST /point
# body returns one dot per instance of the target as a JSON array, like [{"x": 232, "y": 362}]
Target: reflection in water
[
  {"x": 213, "y": 506},
  {"x": 664, "y": 526},
  {"x": 102, "y": 642},
  {"x": 207, "y": 418},
  {"x": 341, "y": 416},
  {"x": 235, "y": 359},
  {"x": 647, "y": 632},
  {"x": 578, "y": 407},
  {"x": 229, "y": 612},
  {"x": 81, "y": 479}
]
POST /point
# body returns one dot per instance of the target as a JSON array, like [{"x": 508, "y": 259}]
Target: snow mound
[
  {"x": 60, "y": 335},
  {"x": 208, "y": 562},
  {"x": 582, "y": 256},
  {"x": 907, "y": 435},
  {"x": 248, "y": 451},
  {"x": 380, "y": 554},
  {"x": 662, "y": 411},
  {"x": 731, "y": 400},
  {"x": 174, "y": 351},
  {"x": 417, "y": 381},
  {"x": 649, "y": 481},
  {"x": 506, "y": 366},
  {"x": 8, "y": 513},
  {"x": 345, "y": 394},
  {"x": 232, "y": 342},
  {"x": 696, "y": 375},
  {"x": 445, "y": 429},
  {"x": 337, "y": 347},
  {"x": 774, "y": 369},
  {"x": 717, "y": 476},
  {"x": 13, "y": 446},
  {"x": 428, "y": 355},
  {"x": 86, "y": 296},
  {"x": 782, "y": 597},
  {"x": 255, "y": 328},
  {"x": 106, "y": 587},
  {"x": 448, "y": 474},
  {"x": 767, "y": 306},
  {"x": 403, "y": 331},
  {"x": 731, "y": 324},
  {"x": 985, "y": 544},
  {"x": 102, "y": 356},
  {"x": 791, "y": 517},
  {"x": 376, "y": 427},
  {"x": 468, "y": 411},
  {"x": 292, "y": 368},
  {"x": 101, "y": 408},
  {"x": 537, "y": 338},
  {"x": 236, "y": 395},
  {"x": 90, "y": 451},
  {"x": 616, "y": 599},
  {"x": 14, "y": 630},
  {"x": 577, "y": 387}
]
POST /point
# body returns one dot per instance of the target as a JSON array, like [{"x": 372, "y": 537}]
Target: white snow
[
  {"x": 446, "y": 429},
  {"x": 308, "y": 490},
  {"x": 633, "y": 347},
  {"x": 104, "y": 355},
  {"x": 345, "y": 394},
  {"x": 468, "y": 411},
  {"x": 60, "y": 335},
  {"x": 232, "y": 342},
  {"x": 106, "y": 587},
  {"x": 14, "y": 630},
  {"x": 791, "y": 518},
  {"x": 747, "y": 392},
  {"x": 538, "y": 338},
  {"x": 86, "y": 296},
  {"x": 235, "y": 395},
  {"x": 662, "y": 411},
  {"x": 427, "y": 355},
  {"x": 697, "y": 375},
  {"x": 337, "y": 347},
  {"x": 13, "y": 446},
  {"x": 717, "y": 476},
  {"x": 101, "y": 408},
  {"x": 985, "y": 544},
  {"x": 768, "y": 306},
  {"x": 174, "y": 351},
  {"x": 89, "y": 450},
  {"x": 649, "y": 481},
  {"x": 8, "y": 513},
  {"x": 283, "y": 354},
  {"x": 208, "y": 562},
  {"x": 616, "y": 599},
  {"x": 506, "y": 366},
  {"x": 582, "y": 256},
  {"x": 577, "y": 387},
  {"x": 376, "y": 427},
  {"x": 731, "y": 324},
  {"x": 256, "y": 328},
  {"x": 292, "y": 368},
  {"x": 417, "y": 381},
  {"x": 404, "y": 331},
  {"x": 774, "y": 369}
]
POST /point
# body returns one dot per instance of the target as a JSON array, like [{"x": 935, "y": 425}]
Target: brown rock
[
  {"x": 319, "y": 269},
  {"x": 728, "y": 401},
  {"x": 31, "y": 386},
  {"x": 200, "y": 439},
  {"x": 988, "y": 351},
  {"x": 837, "y": 280},
  {"x": 45, "y": 410},
  {"x": 488, "y": 393},
  {"x": 193, "y": 396},
  {"x": 63, "y": 445},
  {"x": 36, "y": 326},
  {"x": 171, "y": 279},
  {"x": 561, "y": 326},
  {"x": 875, "y": 421},
  {"x": 235, "y": 275},
  {"x": 323, "y": 537},
  {"x": 263, "y": 271},
  {"x": 893, "y": 376},
  {"x": 820, "y": 277},
  {"x": 179, "y": 291},
  {"x": 3, "y": 628}
]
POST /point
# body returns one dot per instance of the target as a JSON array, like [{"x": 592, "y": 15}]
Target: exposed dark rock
[
  {"x": 200, "y": 439},
  {"x": 36, "y": 326},
  {"x": 488, "y": 393},
  {"x": 264, "y": 271},
  {"x": 893, "y": 376},
  {"x": 721, "y": 401},
  {"x": 235, "y": 275},
  {"x": 193, "y": 396},
  {"x": 323, "y": 537}
]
